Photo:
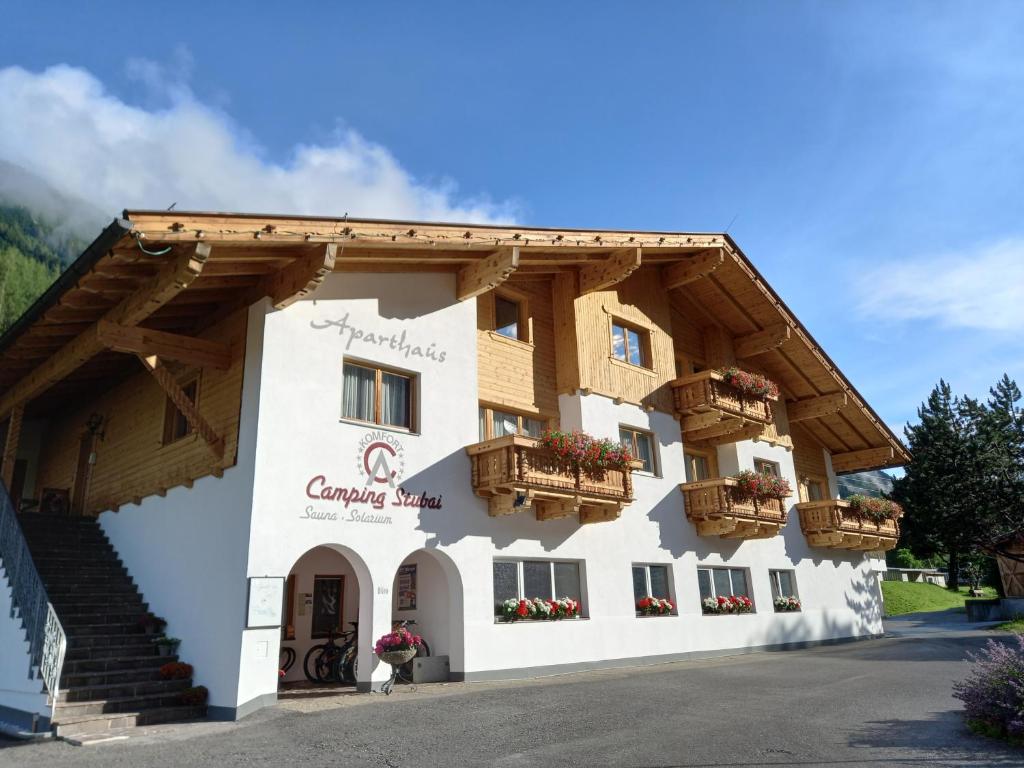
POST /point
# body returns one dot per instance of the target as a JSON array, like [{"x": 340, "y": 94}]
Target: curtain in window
[
  {"x": 567, "y": 581},
  {"x": 532, "y": 427},
  {"x": 394, "y": 402},
  {"x": 503, "y": 424},
  {"x": 358, "y": 393},
  {"x": 644, "y": 453},
  {"x": 659, "y": 581}
]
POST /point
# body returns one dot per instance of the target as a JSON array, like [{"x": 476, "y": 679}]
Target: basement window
[{"x": 176, "y": 426}]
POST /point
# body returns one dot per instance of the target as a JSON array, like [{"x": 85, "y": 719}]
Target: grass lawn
[
  {"x": 909, "y": 597},
  {"x": 1016, "y": 626}
]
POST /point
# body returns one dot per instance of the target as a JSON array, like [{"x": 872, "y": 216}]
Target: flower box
[
  {"x": 833, "y": 524},
  {"x": 733, "y": 605},
  {"x": 538, "y": 609},
  {"x": 714, "y": 410},
  {"x": 784, "y": 604},
  {"x": 719, "y": 507},
  {"x": 654, "y": 606},
  {"x": 516, "y": 473}
]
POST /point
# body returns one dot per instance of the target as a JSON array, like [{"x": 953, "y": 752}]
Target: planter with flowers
[
  {"x": 538, "y": 609},
  {"x": 724, "y": 606},
  {"x": 150, "y": 624},
  {"x": 654, "y": 606},
  {"x": 166, "y": 646},
  {"x": 175, "y": 670},
  {"x": 730, "y": 392},
  {"x": 193, "y": 697},
  {"x": 857, "y": 523},
  {"x": 748, "y": 505},
  {"x": 784, "y": 604},
  {"x": 552, "y": 474}
]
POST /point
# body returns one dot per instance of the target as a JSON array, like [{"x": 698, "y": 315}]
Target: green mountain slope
[{"x": 32, "y": 254}]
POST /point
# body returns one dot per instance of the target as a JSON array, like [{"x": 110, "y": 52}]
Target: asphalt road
[{"x": 873, "y": 703}]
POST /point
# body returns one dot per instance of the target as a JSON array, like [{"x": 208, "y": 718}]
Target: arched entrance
[
  {"x": 427, "y": 589},
  {"x": 322, "y": 598}
]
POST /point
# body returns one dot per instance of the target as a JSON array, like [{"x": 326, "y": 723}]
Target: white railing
[{"x": 46, "y": 639}]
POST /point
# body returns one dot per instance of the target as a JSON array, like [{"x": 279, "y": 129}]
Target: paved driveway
[{"x": 883, "y": 702}]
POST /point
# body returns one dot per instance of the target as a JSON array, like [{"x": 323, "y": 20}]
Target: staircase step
[
  {"x": 104, "y": 628},
  {"x": 91, "y": 724},
  {"x": 111, "y": 650},
  {"x": 126, "y": 690},
  {"x": 119, "y": 704},
  {"x": 102, "y": 617},
  {"x": 110, "y": 664},
  {"x": 91, "y": 592},
  {"x": 86, "y": 679},
  {"x": 116, "y": 640}
]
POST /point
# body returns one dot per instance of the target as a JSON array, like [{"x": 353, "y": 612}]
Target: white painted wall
[
  {"x": 17, "y": 691},
  {"x": 187, "y": 551}
]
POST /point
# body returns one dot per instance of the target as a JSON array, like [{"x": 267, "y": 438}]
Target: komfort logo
[
  {"x": 381, "y": 458},
  {"x": 380, "y": 462}
]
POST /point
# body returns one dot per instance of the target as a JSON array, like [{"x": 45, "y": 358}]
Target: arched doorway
[
  {"x": 322, "y": 597},
  {"x": 427, "y": 589}
]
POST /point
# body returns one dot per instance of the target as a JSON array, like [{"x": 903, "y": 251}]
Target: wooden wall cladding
[
  {"x": 519, "y": 374},
  {"x": 808, "y": 456},
  {"x": 131, "y": 460},
  {"x": 639, "y": 300}
]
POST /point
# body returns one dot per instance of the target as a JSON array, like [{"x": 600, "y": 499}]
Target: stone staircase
[{"x": 111, "y": 676}]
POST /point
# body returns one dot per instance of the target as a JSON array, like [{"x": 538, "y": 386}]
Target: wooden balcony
[
  {"x": 712, "y": 507},
  {"x": 713, "y": 412},
  {"x": 515, "y": 475},
  {"x": 829, "y": 523}
]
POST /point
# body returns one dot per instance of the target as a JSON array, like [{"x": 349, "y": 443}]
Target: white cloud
[
  {"x": 63, "y": 126},
  {"x": 982, "y": 288}
]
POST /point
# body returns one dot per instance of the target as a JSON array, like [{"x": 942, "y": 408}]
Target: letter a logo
[{"x": 381, "y": 471}]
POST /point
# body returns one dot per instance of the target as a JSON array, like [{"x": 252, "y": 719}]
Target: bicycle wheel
[
  {"x": 287, "y": 658},
  {"x": 349, "y": 665},
  {"x": 309, "y": 662},
  {"x": 328, "y": 665},
  {"x": 405, "y": 671}
]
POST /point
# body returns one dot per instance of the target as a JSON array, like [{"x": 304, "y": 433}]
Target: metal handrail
[{"x": 46, "y": 638}]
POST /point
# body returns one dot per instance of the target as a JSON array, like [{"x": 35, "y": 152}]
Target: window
[
  {"x": 813, "y": 489},
  {"x": 722, "y": 582},
  {"x": 176, "y": 426},
  {"x": 494, "y": 423},
  {"x": 630, "y": 344},
  {"x": 377, "y": 396},
  {"x": 783, "y": 584},
  {"x": 641, "y": 445},
  {"x": 506, "y": 317},
  {"x": 764, "y": 467},
  {"x": 526, "y": 579},
  {"x": 699, "y": 465},
  {"x": 650, "y": 581}
]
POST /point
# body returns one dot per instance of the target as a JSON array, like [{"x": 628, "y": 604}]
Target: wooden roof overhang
[{"x": 177, "y": 273}]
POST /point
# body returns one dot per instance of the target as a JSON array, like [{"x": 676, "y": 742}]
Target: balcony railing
[
  {"x": 715, "y": 508},
  {"x": 714, "y": 412},
  {"x": 514, "y": 474},
  {"x": 830, "y": 523}
]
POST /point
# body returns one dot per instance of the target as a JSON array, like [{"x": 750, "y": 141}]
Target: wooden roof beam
[
  {"x": 184, "y": 404},
  {"x": 869, "y": 458},
  {"x": 146, "y": 342},
  {"x": 172, "y": 278},
  {"x": 301, "y": 277},
  {"x": 759, "y": 342},
  {"x": 815, "y": 407},
  {"x": 692, "y": 268},
  {"x": 611, "y": 271},
  {"x": 487, "y": 274}
]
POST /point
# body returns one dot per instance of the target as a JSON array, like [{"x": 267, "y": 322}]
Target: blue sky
[{"x": 867, "y": 156}]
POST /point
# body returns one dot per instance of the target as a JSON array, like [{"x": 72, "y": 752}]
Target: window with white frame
[
  {"x": 651, "y": 581},
  {"x": 783, "y": 584},
  {"x": 527, "y": 579},
  {"x": 722, "y": 582},
  {"x": 765, "y": 467},
  {"x": 641, "y": 444}
]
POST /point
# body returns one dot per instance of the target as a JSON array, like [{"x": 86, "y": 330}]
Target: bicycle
[
  {"x": 286, "y": 659},
  {"x": 405, "y": 671},
  {"x": 330, "y": 662}
]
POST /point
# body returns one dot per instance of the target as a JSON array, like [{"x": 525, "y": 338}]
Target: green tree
[
  {"x": 22, "y": 280},
  {"x": 963, "y": 493}
]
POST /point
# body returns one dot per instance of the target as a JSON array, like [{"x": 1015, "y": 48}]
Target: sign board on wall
[
  {"x": 266, "y": 602},
  {"x": 407, "y": 587}
]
